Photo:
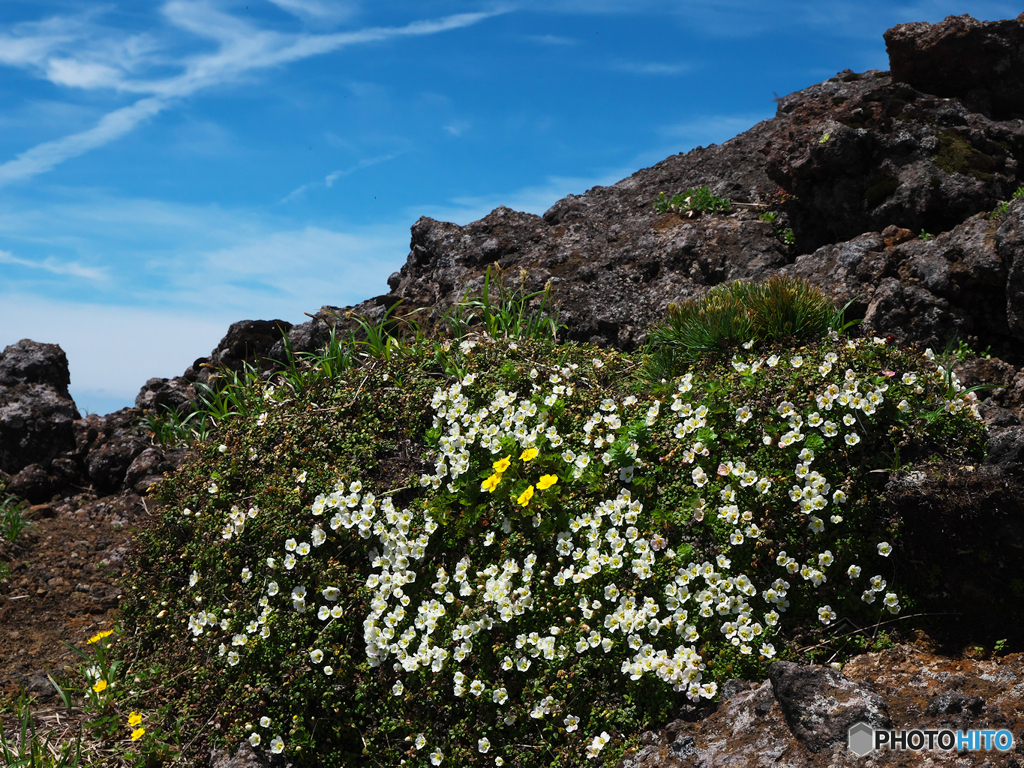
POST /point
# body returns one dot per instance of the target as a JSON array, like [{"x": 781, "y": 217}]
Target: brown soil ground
[{"x": 60, "y": 586}]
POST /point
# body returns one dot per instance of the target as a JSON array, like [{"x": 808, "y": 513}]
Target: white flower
[
  {"x": 316, "y": 655},
  {"x": 595, "y": 747},
  {"x": 277, "y": 745},
  {"x": 254, "y": 739},
  {"x": 436, "y": 758},
  {"x": 884, "y": 549},
  {"x": 397, "y": 689},
  {"x": 484, "y": 745},
  {"x": 571, "y": 723}
]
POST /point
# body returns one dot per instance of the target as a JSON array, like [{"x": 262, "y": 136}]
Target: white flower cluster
[{"x": 653, "y": 613}]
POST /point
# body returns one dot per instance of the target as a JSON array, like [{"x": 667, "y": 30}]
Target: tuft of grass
[
  {"x": 12, "y": 517},
  {"x": 780, "y": 309},
  {"x": 503, "y": 312},
  {"x": 1004, "y": 206}
]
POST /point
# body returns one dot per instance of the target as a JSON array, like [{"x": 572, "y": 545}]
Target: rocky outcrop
[
  {"x": 47, "y": 449},
  {"x": 981, "y": 62},
  {"x": 36, "y": 411},
  {"x": 801, "y": 715}
]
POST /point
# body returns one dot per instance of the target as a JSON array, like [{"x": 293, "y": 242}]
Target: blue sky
[{"x": 168, "y": 168}]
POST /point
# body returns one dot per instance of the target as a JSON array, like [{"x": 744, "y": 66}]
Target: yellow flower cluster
[{"x": 502, "y": 465}]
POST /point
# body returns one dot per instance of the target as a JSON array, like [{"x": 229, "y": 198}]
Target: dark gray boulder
[{"x": 36, "y": 411}]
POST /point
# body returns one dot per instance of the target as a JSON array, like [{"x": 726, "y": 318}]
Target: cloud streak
[
  {"x": 46, "y": 156},
  {"x": 652, "y": 68},
  {"x": 48, "y": 49},
  {"x": 55, "y": 267}
]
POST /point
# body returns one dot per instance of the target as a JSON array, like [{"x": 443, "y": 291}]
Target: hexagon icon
[{"x": 860, "y": 738}]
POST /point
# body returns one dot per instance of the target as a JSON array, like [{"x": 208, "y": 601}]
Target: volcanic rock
[
  {"x": 799, "y": 716},
  {"x": 36, "y": 411},
  {"x": 981, "y": 62}
]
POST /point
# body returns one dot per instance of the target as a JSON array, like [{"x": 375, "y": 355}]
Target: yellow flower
[
  {"x": 546, "y": 481},
  {"x": 134, "y": 719},
  {"x": 138, "y": 733},
  {"x": 528, "y": 455},
  {"x": 502, "y": 464},
  {"x": 100, "y": 687},
  {"x": 491, "y": 482},
  {"x": 99, "y": 636},
  {"x": 524, "y": 499}
]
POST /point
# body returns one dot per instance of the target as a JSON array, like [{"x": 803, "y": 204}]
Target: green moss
[
  {"x": 880, "y": 186},
  {"x": 956, "y": 154}
]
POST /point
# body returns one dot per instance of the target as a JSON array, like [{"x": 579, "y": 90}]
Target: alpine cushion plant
[
  {"x": 781, "y": 309},
  {"x": 577, "y": 556}
]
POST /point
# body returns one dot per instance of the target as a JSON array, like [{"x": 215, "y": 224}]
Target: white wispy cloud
[
  {"x": 53, "y": 50},
  {"x": 56, "y": 267},
  {"x": 552, "y": 40},
  {"x": 365, "y": 163},
  {"x": 652, "y": 68},
  {"x": 192, "y": 257},
  {"x": 458, "y": 127},
  {"x": 316, "y": 9},
  {"x": 333, "y": 176},
  {"x": 43, "y": 157}
]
